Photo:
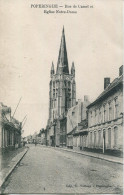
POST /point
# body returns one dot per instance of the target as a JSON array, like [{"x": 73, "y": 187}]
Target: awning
[{"x": 82, "y": 132}]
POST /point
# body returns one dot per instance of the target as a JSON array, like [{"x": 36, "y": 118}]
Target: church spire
[
  {"x": 62, "y": 65},
  {"x": 73, "y": 69},
  {"x": 52, "y": 69}
]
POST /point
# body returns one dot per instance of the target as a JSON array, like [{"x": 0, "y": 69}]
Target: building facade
[
  {"x": 10, "y": 129},
  {"x": 105, "y": 118},
  {"x": 62, "y": 96},
  {"x": 77, "y": 123}
]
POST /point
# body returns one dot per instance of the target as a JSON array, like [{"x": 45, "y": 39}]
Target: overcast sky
[{"x": 30, "y": 40}]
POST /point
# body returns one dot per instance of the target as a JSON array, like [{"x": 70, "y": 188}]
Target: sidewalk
[
  {"x": 9, "y": 161},
  {"x": 109, "y": 158}
]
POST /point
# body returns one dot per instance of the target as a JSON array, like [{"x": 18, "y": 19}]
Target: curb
[
  {"x": 10, "y": 171},
  {"x": 102, "y": 158}
]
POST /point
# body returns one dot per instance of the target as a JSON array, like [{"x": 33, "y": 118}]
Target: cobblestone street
[{"x": 46, "y": 170}]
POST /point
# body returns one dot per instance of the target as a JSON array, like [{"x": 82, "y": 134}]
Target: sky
[{"x": 30, "y": 41}]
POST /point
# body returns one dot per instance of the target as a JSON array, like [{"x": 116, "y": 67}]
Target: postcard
[{"x": 61, "y": 97}]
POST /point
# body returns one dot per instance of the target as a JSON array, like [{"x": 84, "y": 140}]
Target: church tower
[{"x": 62, "y": 87}]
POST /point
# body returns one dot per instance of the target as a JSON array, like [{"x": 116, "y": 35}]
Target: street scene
[
  {"x": 81, "y": 148},
  {"x": 45, "y": 170},
  {"x": 61, "y": 101}
]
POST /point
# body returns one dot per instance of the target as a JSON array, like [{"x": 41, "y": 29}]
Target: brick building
[{"x": 105, "y": 117}]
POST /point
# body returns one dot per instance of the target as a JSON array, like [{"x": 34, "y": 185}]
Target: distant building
[
  {"x": 10, "y": 129},
  {"x": 34, "y": 137},
  {"x": 62, "y": 96},
  {"x": 43, "y": 136},
  {"x": 29, "y": 139},
  {"x": 105, "y": 117},
  {"x": 76, "y": 123}
]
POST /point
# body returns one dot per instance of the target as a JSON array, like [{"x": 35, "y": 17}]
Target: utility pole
[
  {"x": 16, "y": 107},
  {"x": 24, "y": 118},
  {"x": 24, "y": 122}
]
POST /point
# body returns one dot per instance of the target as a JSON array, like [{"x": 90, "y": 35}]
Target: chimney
[
  {"x": 121, "y": 70},
  {"x": 86, "y": 98},
  {"x": 106, "y": 82}
]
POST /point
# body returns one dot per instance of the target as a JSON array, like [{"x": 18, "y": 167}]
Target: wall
[{"x": 105, "y": 123}]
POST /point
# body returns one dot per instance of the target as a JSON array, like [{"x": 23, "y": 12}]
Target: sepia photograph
[{"x": 61, "y": 97}]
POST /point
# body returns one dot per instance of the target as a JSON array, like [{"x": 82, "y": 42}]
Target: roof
[
  {"x": 4, "y": 109},
  {"x": 111, "y": 87},
  {"x": 62, "y": 59}
]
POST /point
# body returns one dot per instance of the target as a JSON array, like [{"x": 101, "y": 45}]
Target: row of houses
[
  {"x": 37, "y": 137},
  {"x": 101, "y": 125},
  {"x": 96, "y": 126},
  {"x": 10, "y": 129}
]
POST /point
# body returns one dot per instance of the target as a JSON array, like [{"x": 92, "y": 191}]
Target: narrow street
[{"x": 46, "y": 170}]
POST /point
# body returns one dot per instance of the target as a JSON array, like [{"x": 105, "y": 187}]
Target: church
[{"x": 62, "y": 96}]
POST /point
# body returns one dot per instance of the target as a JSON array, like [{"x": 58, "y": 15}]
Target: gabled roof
[{"x": 111, "y": 87}]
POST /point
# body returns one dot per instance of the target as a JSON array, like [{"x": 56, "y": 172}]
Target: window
[
  {"x": 53, "y": 93},
  {"x": 91, "y": 117},
  {"x": 115, "y": 108},
  {"x": 110, "y": 112},
  {"x": 90, "y": 138},
  {"x": 73, "y": 113},
  {"x": 99, "y": 138},
  {"x": 104, "y": 136},
  {"x": 104, "y": 113},
  {"x": 109, "y": 137},
  {"x": 94, "y": 138},
  {"x": 65, "y": 83},
  {"x": 99, "y": 117},
  {"x": 69, "y": 84},
  {"x": 115, "y": 136},
  {"x": 53, "y": 84},
  {"x": 95, "y": 117}
]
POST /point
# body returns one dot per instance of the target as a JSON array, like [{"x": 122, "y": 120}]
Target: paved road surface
[{"x": 46, "y": 170}]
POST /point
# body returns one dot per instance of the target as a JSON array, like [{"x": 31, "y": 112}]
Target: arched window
[
  {"x": 109, "y": 137},
  {"x": 94, "y": 138},
  {"x": 99, "y": 138},
  {"x": 90, "y": 138}
]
